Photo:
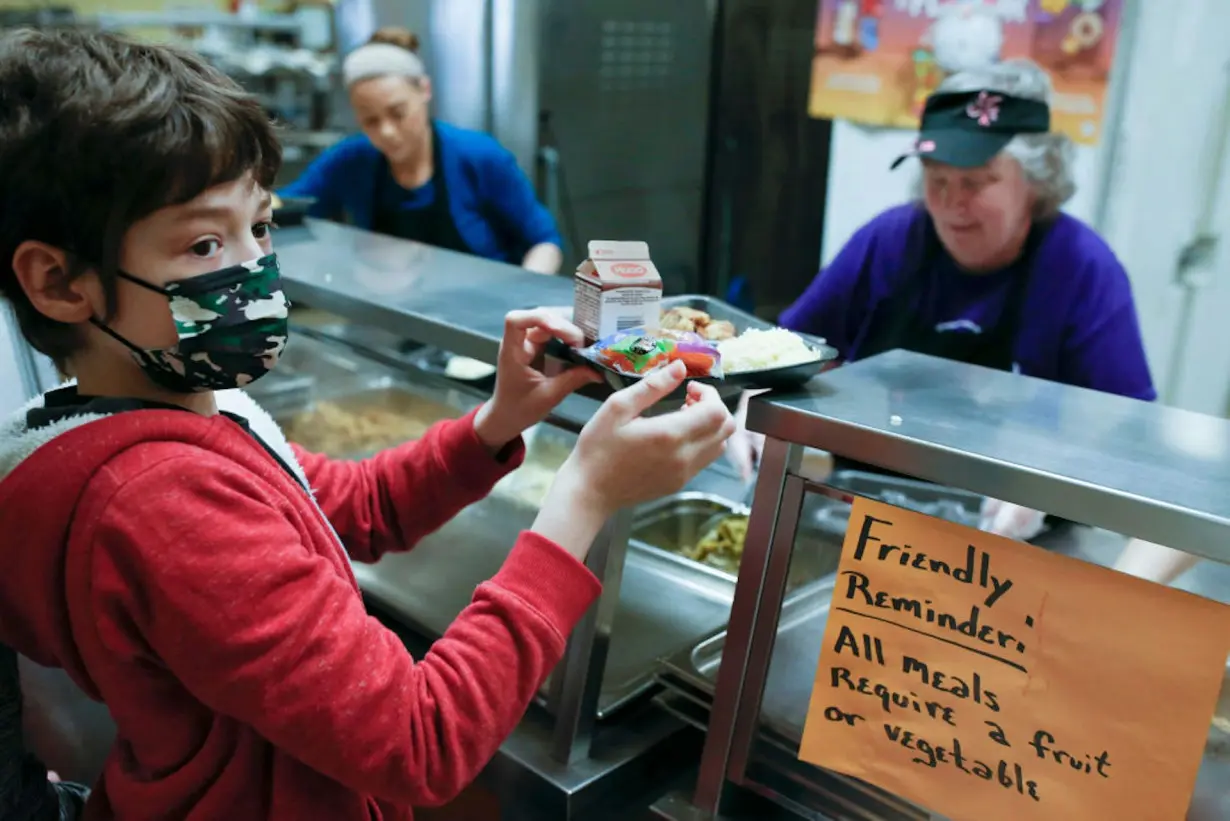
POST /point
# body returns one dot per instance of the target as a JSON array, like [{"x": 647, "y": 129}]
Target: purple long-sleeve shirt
[{"x": 1079, "y": 325}]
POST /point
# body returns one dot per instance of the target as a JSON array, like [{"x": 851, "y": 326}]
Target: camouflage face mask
[{"x": 232, "y": 327}]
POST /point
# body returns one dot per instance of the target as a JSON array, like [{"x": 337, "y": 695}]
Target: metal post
[
  {"x": 779, "y": 461},
  {"x": 574, "y": 696},
  {"x": 764, "y": 627}
]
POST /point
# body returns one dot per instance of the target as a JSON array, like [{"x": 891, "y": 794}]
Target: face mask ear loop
[
  {"x": 143, "y": 355},
  {"x": 138, "y": 281}
]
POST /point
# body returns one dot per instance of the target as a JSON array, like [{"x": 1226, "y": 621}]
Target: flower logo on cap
[
  {"x": 985, "y": 109},
  {"x": 924, "y": 146}
]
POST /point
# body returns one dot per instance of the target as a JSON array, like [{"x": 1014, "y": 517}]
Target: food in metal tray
[
  {"x": 697, "y": 322},
  {"x": 544, "y": 455},
  {"x": 359, "y": 429},
  {"x": 722, "y": 545},
  {"x": 467, "y": 369},
  {"x": 757, "y": 350},
  {"x": 527, "y": 484}
]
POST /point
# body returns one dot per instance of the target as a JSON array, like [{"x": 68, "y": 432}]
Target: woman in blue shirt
[{"x": 413, "y": 177}]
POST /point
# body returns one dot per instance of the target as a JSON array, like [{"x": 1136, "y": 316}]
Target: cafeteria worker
[
  {"x": 413, "y": 177},
  {"x": 983, "y": 268}
]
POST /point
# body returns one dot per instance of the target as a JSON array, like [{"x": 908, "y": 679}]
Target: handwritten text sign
[{"x": 985, "y": 678}]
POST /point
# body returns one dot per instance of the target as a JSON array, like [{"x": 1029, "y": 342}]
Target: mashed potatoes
[{"x": 756, "y": 350}]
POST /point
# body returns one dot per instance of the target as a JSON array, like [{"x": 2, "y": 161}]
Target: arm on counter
[
  {"x": 260, "y": 628},
  {"x": 544, "y": 258},
  {"x": 517, "y": 211},
  {"x": 392, "y": 500},
  {"x": 1154, "y": 562},
  {"x": 324, "y": 180}
]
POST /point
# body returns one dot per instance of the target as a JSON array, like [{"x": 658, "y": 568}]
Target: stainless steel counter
[
  {"x": 1157, "y": 473},
  {"x": 452, "y": 301},
  {"x": 1124, "y": 466},
  {"x": 660, "y": 610},
  {"x": 691, "y": 678}
]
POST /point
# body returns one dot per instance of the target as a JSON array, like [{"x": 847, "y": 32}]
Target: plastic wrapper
[{"x": 636, "y": 352}]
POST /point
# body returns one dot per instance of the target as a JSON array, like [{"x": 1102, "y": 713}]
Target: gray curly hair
[{"x": 1046, "y": 159}]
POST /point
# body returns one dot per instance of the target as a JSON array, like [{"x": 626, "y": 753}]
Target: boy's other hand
[
  {"x": 524, "y": 395},
  {"x": 623, "y": 458}
]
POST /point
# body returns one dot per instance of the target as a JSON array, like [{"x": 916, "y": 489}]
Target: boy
[{"x": 166, "y": 546}]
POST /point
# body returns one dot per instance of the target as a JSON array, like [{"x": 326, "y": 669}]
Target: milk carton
[{"x": 617, "y": 288}]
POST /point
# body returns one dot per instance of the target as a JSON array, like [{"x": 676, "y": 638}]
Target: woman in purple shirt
[{"x": 984, "y": 268}]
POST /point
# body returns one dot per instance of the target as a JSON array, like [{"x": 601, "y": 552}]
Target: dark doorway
[{"x": 768, "y": 160}]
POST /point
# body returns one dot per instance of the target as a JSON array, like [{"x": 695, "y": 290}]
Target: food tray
[
  {"x": 674, "y": 524},
  {"x": 775, "y": 378},
  {"x": 791, "y": 376}
]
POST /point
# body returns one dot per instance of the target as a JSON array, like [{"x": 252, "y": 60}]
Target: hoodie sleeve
[
  {"x": 391, "y": 501},
  {"x": 225, "y": 592}
]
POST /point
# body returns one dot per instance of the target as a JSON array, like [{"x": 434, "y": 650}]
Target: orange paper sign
[{"x": 985, "y": 678}]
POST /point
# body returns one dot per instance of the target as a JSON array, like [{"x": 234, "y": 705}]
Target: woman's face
[
  {"x": 982, "y": 215},
  {"x": 392, "y": 111}
]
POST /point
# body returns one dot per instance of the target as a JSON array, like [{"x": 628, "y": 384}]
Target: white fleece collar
[{"x": 18, "y": 442}]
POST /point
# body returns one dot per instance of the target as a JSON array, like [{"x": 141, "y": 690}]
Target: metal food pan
[
  {"x": 356, "y": 425},
  {"x": 792, "y": 667},
  {"x": 665, "y": 606},
  {"x": 676, "y": 523},
  {"x": 333, "y": 368},
  {"x": 283, "y": 392},
  {"x": 952, "y": 504},
  {"x": 546, "y": 449}
]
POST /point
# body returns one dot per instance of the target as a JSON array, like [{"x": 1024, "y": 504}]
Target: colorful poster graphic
[{"x": 877, "y": 60}]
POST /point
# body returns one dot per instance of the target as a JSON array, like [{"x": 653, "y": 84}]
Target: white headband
[{"x": 380, "y": 60}]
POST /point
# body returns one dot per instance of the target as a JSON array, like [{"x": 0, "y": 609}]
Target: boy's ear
[{"x": 43, "y": 272}]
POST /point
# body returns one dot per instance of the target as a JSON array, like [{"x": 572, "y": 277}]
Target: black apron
[
  {"x": 897, "y": 322},
  {"x": 431, "y": 225}
]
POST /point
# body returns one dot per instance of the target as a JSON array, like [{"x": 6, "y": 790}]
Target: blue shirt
[
  {"x": 1079, "y": 325},
  {"x": 491, "y": 200}
]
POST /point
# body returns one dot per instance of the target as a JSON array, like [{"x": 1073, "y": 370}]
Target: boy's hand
[
  {"x": 623, "y": 459},
  {"x": 523, "y": 395}
]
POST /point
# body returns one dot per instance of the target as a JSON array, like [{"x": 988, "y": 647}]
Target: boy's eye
[
  {"x": 262, "y": 230},
  {"x": 206, "y": 248}
]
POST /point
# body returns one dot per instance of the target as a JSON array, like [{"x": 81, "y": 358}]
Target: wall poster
[{"x": 877, "y": 60}]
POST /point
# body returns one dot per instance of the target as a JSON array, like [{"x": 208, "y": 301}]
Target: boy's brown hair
[{"x": 98, "y": 132}]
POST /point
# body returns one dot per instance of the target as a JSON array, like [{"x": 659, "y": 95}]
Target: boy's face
[{"x": 224, "y": 226}]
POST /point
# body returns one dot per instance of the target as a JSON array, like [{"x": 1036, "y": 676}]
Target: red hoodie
[{"x": 182, "y": 576}]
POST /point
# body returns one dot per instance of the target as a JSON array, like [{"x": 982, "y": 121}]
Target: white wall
[
  {"x": 12, "y": 386},
  {"x": 1162, "y": 174}
]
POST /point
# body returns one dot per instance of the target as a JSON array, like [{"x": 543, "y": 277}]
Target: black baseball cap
[{"x": 968, "y": 128}]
